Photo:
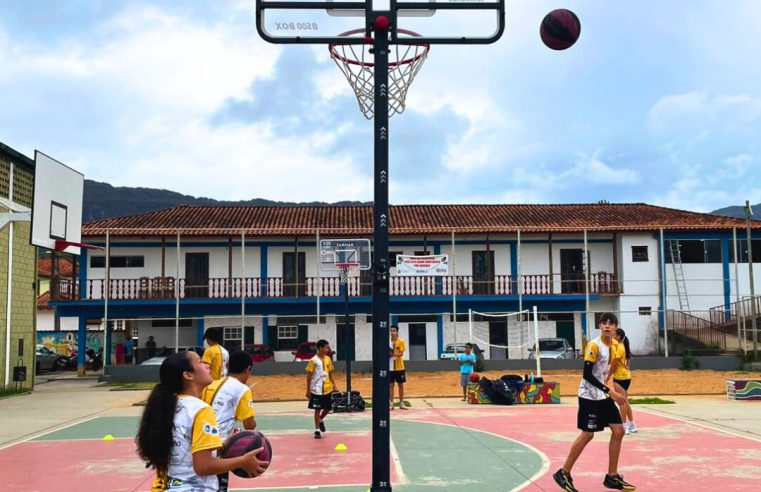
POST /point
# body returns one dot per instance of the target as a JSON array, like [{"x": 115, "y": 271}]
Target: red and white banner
[{"x": 431, "y": 265}]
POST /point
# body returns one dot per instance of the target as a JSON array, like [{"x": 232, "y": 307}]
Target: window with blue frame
[
  {"x": 134, "y": 261},
  {"x": 696, "y": 250},
  {"x": 742, "y": 248}
]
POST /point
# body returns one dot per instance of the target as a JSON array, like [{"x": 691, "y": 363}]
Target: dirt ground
[{"x": 438, "y": 384}]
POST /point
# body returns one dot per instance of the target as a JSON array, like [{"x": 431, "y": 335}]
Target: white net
[
  {"x": 346, "y": 272},
  {"x": 513, "y": 332},
  {"x": 357, "y": 64}
]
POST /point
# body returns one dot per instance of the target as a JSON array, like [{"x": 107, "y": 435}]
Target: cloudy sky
[{"x": 658, "y": 102}]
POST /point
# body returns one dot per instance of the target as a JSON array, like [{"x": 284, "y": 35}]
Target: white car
[
  {"x": 449, "y": 351},
  {"x": 553, "y": 348}
]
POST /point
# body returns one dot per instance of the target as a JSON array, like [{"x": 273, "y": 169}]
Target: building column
[
  {"x": 727, "y": 281},
  {"x": 81, "y": 346},
  {"x": 200, "y": 329}
]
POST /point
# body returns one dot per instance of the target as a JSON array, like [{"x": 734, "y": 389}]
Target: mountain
[
  {"x": 738, "y": 211},
  {"x": 103, "y": 201}
]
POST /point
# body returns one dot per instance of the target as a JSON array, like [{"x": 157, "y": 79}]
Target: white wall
[{"x": 641, "y": 288}]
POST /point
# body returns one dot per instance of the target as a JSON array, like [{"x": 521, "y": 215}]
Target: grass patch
[
  {"x": 139, "y": 386},
  {"x": 369, "y": 404},
  {"x": 650, "y": 401},
  {"x": 13, "y": 392}
]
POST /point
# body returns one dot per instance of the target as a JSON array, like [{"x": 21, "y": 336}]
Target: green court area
[{"x": 425, "y": 456}]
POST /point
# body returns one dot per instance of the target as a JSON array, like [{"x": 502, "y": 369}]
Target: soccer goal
[{"x": 522, "y": 332}]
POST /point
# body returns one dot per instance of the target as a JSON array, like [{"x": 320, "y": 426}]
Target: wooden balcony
[{"x": 146, "y": 288}]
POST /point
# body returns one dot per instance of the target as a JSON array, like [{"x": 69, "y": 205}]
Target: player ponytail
[
  {"x": 154, "y": 437},
  {"x": 621, "y": 333}
]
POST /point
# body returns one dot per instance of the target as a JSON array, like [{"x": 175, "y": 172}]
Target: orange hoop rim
[{"x": 406, "y": 61}]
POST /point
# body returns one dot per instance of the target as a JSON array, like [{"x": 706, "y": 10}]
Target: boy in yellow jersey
[
  {"x": 320, "y": 385},
  {"x": 216, "y": 356},
  {"x": 396, "y": 373},
  {"x": 230, "y": 397},
  {"x": 597, "y": 409}
]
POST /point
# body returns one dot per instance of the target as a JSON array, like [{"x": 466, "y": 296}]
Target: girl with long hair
[
  {"x": 622, "y": 378},
  {"x": 178, "y": 433}
]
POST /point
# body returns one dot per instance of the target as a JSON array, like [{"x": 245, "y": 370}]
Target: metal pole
[
  {"x": 107, "y": 332},
  {"x": 348, "y": 345},
  {"x": 754, "y": 322},
  {"x": 536, "y": 342},
  {"x": 664, "y": 283},
  {"x": 381, "y": 479},
  {"x": 520, "y": 286},
  {"x": 738, "y": 305},
  {"x": 454, "y": 297},
  {"x": 585, "y": 263},
  {"x": 319, "y": 276},
  {"x": 177, "y": 299},
  {"x": 242, "y": 290}
]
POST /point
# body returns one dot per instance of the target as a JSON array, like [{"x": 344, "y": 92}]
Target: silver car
[
  {"x": 46, "y": 358},
  {"x": 553, "y": 348}
]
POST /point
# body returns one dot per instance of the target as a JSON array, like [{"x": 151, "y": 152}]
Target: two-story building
[{"x": 255, "y": 272}]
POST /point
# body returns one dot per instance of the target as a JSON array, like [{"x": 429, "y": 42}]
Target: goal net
[{"x": 515, "y": 333}]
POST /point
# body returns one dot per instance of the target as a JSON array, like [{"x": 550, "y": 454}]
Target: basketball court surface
[{"x": 437, "y": 444}]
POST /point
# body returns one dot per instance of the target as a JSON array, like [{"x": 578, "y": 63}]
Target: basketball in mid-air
[
  {"x": 475, "y": 377},
  {"x": 243, "y": 442},
  {"x": 560, "y": 29}
]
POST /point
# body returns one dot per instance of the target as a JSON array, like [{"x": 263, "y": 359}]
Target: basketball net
[
  {"x": 357, "y": 64},
  {"x": 346, "y": 270}
]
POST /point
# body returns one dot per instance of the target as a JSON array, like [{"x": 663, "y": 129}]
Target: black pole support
[{"x": 381, "y": 421}]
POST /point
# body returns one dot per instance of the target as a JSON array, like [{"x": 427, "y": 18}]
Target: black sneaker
[
  {"x": 317, "y": 435},
  {"x": 322, "y": 426},
  {"x": 617, "y": 482},
  {"x": 564, "y": 480}
]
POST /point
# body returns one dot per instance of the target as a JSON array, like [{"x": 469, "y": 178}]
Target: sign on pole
[{"x": 426, "y": 266}]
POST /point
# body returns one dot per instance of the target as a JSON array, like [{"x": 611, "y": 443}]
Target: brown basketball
[{"x": 560, "y": 29}]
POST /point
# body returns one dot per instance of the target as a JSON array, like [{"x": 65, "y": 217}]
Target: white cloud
[{"x": 698, "y": 110}]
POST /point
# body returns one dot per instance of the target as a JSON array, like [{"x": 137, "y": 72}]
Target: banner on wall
[{"x": 426, "y": 266}]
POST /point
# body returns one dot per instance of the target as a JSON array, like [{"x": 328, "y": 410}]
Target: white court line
[
  {"x": 302, "y": 487},
  {"x": 401, "y": 478},
  {"x": 699, "y": 424},
  {"x": 49, "y": 430},
  {"x": 530, "y": 481}
]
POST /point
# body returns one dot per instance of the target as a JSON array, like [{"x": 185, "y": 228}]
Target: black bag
[
  {"x": 339, "y": 402},
  {"x": 497, "y": 391},
  {"x": 514, "y": 382}
]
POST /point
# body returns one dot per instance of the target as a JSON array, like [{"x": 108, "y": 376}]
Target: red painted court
[{"x": 432, "y": 447}]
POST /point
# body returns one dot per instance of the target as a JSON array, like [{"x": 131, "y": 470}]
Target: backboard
[
  {"x": 337, "y": 253},
  {"x": 436, "y": 22},
  {"x": 57, "y": 205}
]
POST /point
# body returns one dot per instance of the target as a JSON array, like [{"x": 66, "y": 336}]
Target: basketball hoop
[
  {"x": 61, "y": 245},
  {"x": 404, "y": 63},
  {"x": 346, "y": 270}
]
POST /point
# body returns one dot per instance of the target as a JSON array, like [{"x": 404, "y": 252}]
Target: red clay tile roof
[
  {"x": 202, "y": 220},
  {"x": 42, "y": 301},
  {"x": 44, "y": 264}
]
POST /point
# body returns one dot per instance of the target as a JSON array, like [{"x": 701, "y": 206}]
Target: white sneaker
[
  {"x": 627, "y": 429},
  {"x": 632, "y": 427}
]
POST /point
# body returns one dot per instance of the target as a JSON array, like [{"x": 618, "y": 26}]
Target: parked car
[
  {"x": 553, "y": 348},
  {"x": 260, "y": 352},
  {"x": 307, "y": 350},
  {"x": 165, "y": 352},
  {"x": 46, "y": 359},
  {"x": 450, "y": 354}
]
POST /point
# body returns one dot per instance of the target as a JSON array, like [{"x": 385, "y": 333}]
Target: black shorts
[
  {"x": 596, "y": 415},
  {"x": 321, "y": 402},
  {"x": 624, "y": 383},
  {"x": 397, "y": 377}
]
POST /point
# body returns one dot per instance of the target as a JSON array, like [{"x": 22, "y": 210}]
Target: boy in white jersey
[
  {"x": 597, "y": 409},
  {"x": 320, "y": 385},
  {"x": 230, "y": 397}
]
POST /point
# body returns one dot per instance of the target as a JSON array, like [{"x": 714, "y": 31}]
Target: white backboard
[{"x": 57, "y": 206}]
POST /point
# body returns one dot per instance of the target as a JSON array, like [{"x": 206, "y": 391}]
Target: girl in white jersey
[{"x": 178, "y": 433}]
